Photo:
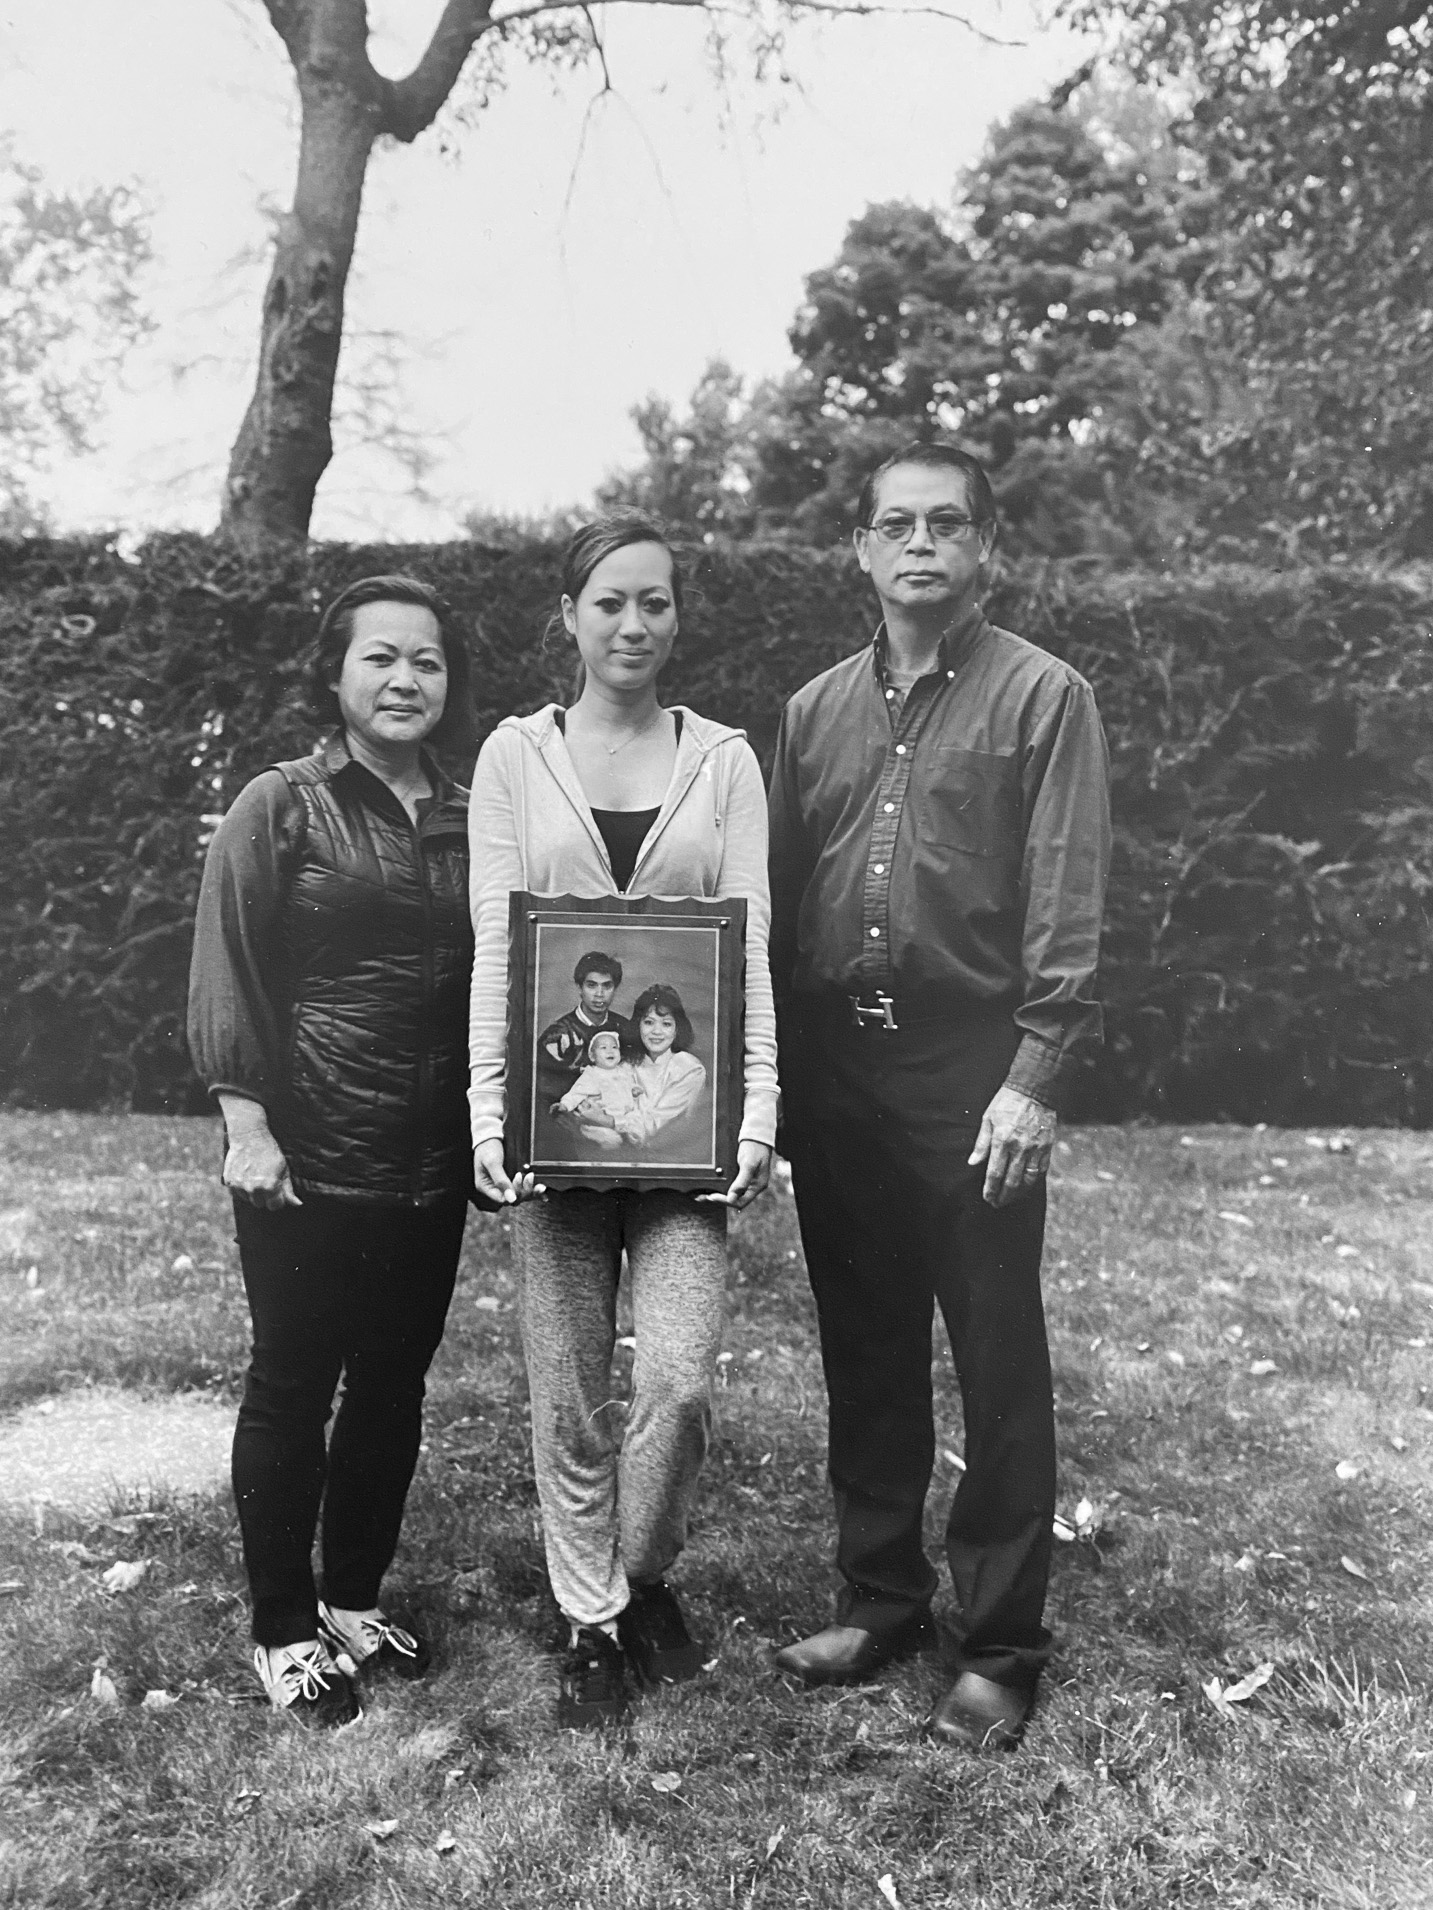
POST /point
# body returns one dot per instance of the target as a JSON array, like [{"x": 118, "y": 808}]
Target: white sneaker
[
  {"x": 370, "y": 1641},
  {"x": 304, "y": 1682}
]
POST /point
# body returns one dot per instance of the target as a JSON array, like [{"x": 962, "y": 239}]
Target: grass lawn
[{"x": 1238, "y": 1515}]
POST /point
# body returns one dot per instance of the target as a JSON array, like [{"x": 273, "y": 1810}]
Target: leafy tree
[
  {"x": 69, "y": 312},
  {"x": 285, "y": 443},
  {"x": 1079, "y": 235},
  {"x": 1316, "y": 119},
  {"x": 695, "y": 470}
]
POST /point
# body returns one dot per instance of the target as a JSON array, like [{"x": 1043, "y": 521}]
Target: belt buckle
[{"x": 881, "y": 1015}]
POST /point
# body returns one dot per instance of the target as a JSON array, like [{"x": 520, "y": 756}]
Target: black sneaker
[
  {"x": 372, "y": 1643},
  {"x": 304, "y": 1683},
  {"x": 655, "y": 1637},
  {"x": 593, "y": 1690}
]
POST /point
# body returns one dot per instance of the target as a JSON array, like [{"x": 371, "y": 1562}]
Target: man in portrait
[
  {"x": 939, "y": 847},
  {"x": 562, "y": 1047}
]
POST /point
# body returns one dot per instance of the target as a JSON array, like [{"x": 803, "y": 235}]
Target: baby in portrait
[{"x": 607, "y": 1079}]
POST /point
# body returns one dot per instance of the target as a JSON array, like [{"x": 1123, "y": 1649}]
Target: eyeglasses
[{"x": 946, "y": 527}]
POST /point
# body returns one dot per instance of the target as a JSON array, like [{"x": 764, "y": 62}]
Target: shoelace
[
  {"x": 378, "y": 1632},
  {"x": 304, "y": 1677}
]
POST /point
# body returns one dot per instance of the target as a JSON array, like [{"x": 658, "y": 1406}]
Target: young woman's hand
[
  {"x": 254, "y": 1164},
  {"x": 753, "y": 1171},
  {"x": 493, "y": 1179}
]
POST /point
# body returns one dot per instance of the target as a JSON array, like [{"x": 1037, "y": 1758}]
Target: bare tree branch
[
  {"x": 290, "y": 21},
  {"x": 839, "y": 9},
  {"x": 414, "y": 103}
]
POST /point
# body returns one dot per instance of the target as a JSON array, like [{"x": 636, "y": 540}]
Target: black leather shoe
[
  {"x": 979, "y": 1715},
  {"x": 660, "y": 1649},
  {"x": 592, "y": 1688},
  {"x": 846, "y": 1655}
]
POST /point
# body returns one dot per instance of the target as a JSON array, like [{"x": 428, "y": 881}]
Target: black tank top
[{"x": 623, "y": 830}]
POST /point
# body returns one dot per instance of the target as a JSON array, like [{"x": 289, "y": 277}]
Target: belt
[{"x": 878, "y": 1011}]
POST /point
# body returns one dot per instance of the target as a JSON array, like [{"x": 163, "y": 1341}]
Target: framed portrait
[{"x": 625, "y": 1040}]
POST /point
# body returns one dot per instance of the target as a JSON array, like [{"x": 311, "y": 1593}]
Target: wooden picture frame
[{"x": 654, "y": 1109}]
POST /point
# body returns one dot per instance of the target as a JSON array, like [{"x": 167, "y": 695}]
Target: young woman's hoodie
[{"x": 530, "y": 827}]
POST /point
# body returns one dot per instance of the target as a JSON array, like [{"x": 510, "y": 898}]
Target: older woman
[
  {"x": 328, "y": 1016},
  {"x": 618, "y": 793}
]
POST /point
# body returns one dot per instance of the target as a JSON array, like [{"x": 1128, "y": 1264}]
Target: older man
[{"x": 939, "y": 846}]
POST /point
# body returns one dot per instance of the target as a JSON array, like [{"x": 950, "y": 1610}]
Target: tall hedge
[{"x": 1270, "y": 933}]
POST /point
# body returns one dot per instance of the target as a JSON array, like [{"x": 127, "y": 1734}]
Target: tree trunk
[{"x": 284, "y": 444}]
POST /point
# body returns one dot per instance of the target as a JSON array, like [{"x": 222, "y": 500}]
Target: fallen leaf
[
  {"x": 1103, "y": 1173},
  {"x": 953, "y": 1459},
  {"x": 887, "y": 1887},
  {"x": 666, "y": 1782},
  {"x": 1174, "y": 1357},
  {"x": 1085, "y": 1517},
  {"x": 1398, "y": 1444},
  {"x": 1246, "y": 1563},
  {"x": 1345, "y": 1252},
  {"x": 1279, "y": 1161},
  {"x": 446, "y": 1843},
  {"x": 1235, "y": 1332},
  {"x": 382, "y": 1832},
  {"x": 1345, "y": 1469},
  {"x": 1142, "y": 1346},
  {"x": 773, "y": 1842},
  {"x": 1186, "y": 1140},
  {"x": 124, "y": 1574},
  {"x": 487, "y": 1303},
  {"x": 74, "y": 1549},
  {"x": 1315, "y": 1140},
  {"x": 1097, "y": 1343},
  {"x": 1246, "y": 1687},
  {"x": 1262, "y": 1368},
  {"x": 102, "y": 1688},
  {"x": 32, "y": 1278},
  {"x": 1340, "y": 1144},
  {"x": 629, "y": 1340},
  {"x": 1353, "y": 1568},
  {"x": 1240, "y": 1220},
  {"x": 1267, "y": 1180},
  {"x": 158, "y": 1701},
  {"x": 1408, "y": 1799},
  {"x": 1063, "y": 1531},
  {"x": 11, "y": 1587}
]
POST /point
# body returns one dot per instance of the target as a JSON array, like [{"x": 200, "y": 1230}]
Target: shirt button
[
  {"x": 879, "y": 867},
  {"x": 889, "y": 694},
  {"x": 890, "y": 808},
  {"x": 950, "y": 676},
  {"x": 900, "y": 749},
  {"x": 875, "y": 934}
]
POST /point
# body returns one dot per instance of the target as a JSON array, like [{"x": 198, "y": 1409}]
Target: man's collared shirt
[{"x": 952, "y": 846}]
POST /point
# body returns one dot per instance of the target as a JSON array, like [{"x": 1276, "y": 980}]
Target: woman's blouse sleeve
[
  {"x": 678, "y": 1095},
  {"x": 743, "y": 872},
  {"x": 495, "y": 870},
  {"x": 233, "y": 1028}
]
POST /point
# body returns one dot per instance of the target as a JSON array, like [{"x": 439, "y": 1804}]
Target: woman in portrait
[
  {"x": 617, "y": 794},
  {"x": 328, "y": 1016},
  {"x": 667, "y": 1079}
]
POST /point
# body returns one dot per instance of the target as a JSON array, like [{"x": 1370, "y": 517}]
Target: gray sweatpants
[{"x": 615, "y": 1504}]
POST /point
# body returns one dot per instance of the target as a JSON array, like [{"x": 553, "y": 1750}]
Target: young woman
[
  {"x": 619, "y": 794},
  {"x": 328, "y": 1003}
]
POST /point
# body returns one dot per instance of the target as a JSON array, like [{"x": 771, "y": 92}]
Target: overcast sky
[{"x": 564, "y": 258}]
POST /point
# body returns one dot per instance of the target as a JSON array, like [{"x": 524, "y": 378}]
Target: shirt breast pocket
[{"x": 968, "y": 800}]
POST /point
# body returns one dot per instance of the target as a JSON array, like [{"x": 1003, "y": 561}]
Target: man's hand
[
  {"x": 1015, "y": 1140},
  {"x": 254, "y": 1164},
  {"x": 492, "y": 1177}
]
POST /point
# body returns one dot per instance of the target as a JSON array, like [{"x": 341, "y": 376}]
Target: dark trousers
[
  {"x": 334, "y": 1287},
  {"x": 879, "y": 1125}
]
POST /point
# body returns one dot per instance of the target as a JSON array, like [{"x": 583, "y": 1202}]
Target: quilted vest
[{"x": 374, "y": 949}]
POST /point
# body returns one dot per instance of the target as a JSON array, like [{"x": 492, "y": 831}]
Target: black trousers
[
  {"x": 334, "y": 1287},
  {"x": 878, "y": 1127}
]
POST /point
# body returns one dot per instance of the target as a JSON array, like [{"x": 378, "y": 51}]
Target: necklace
[{"x": 613, "y": 749}]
